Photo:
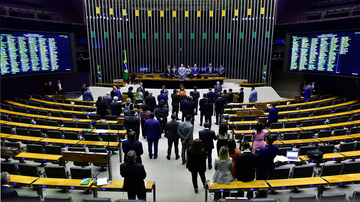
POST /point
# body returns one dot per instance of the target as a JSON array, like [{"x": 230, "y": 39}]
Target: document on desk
[
  {"x": 101, "y": 131},
  {"x": 284, "y": 159},
  {"x": 101, "y": 181}
]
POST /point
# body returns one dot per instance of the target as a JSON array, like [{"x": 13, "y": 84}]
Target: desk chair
[
  {"x": 78, "y": 103},
  {"x": 29, "y": 170},
  {"x": 88, "y": 103},
  {"x": 290, "y": 136},
  {"x": 43, "y": 112},
  {"x": 276, "y": 125},
  {"x": 56, "y": 172},
  {"x": 340, "y": 109},
  {"x": 249, "y": 118},
  {"x": 9, "y": 167},
  {"x": 334, "y": 120},
  {"x": 290, "y": 125},
  {"x": 102, "y": 126},
  {"x": 354, "y": 130},
  {"x": 33, "y": 111},
  {"x": 35, "y": 148},
  {"x": 71, "y": 135},
  {"x": 326, "y": 111},
  {"x": 318, "y": 122},
  {"x": 303, "y": 101},
  {"x": 81, "y": 116},
  {"x": 336, "y": 197},
  {"x": 54, "y": 134},
  {"x": 282, "y": 150},
  {"x": 78, "y": 109},
  {"x": 355, "y": 117},
  {"x": 303, "y": 198},
  {"x": 52, "y": 123},
  {"x": 4, "y": 117},
  {"x": 111, "y": 118},
  {"x": 313, "y": 106},
  {"x": 83, "y": 125},
  {"x": 29, "y": 198},
  {"x": 316, "y": 113},
  {"x": 55, "y": 106},
  {"x": 355, "y": 196},
  {"x": 6, "y": 129},
  {"x": 80, "y": 149},
  {"x": 69, "y": 124},
  {"x": 324, "y": 133},
  {"x": 35, "y": 133},
  {"x": 302, "y": 171},
  {"x": 292, "y": 108},
  {"x": 112, "y": 137},
  {"x": 338, "y": 132},
  {"x": 114, "y": 126},
  {"x": 304, "y": 107},
  {"x": 40, "y": 121},
  {"x": 59, "y": 101},
  {"x": 67, "y": 115},
  {"x": 94, "y": 117},
  {"x": 22, "y": 131},
  {"x": 235, "y": 118},
  {"x": 247, "y": 138},
  {"x": 307, "y": 123},
  {"x": 98, "y": 200},
  {"x": 344, "y": 119},
  {"x": 15, "y": 118},
  {"x": 330, "y": 169},
  {"x": 329, "y": 148},
  {"x": 304, "y": 114},
  {"x": 81, "y": 173},
  {"x": 279, "y": 173},
  {"x": 64, "y": 107},
  {"x": 6, "y": 106},
  {"x": 306, "y": 135},
  {"x": 350, "y": 146},
  {"x": 26, "y": 120},
  {"x": 53, "y": 149},
  {"x": 92, "y": 136},
  {"x": 99, "y": 150},
  {"x": 57, "y": 114},
  {"x": 58, "y": 199},
  {"x": 293, "y": 115},
  {"x": 351, "y": 167},
  {"x": 304, "y": 149}
]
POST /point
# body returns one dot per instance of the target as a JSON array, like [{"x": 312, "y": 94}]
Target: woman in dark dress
[
  {"x": 222, "y": 136},
  {"x": 101, "y": 107},
  {"x": 196, "y": 163},
  {"x": 130, "y": 94}
]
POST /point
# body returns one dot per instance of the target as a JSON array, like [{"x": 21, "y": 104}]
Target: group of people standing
[
  {"x": 49, "y": 89},
  {"x": 192, "y": 72}
]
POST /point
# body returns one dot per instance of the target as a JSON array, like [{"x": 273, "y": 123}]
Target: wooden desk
[
  {"x": 175, "y": 82},
  {"x": 284, "y": 130},
  {"x": 24, "y": 138},
  {"x": 319, "y": 127},
  {"x": 342, "y": 179},
  {"x": 22, "y": 179},
  {"x": 300, "y": 141},
  {"x": 44, "y": 157},
  {"x": 351, "y": 154},
  {"x": 35, "y": 126},
  {"x": 357, "y": 122},
  {"x": 98, "y": 143},
  {"x": 118, "y": 186},
  {"x": 62, "y": 104},
  {"x": 307, "y": 103},
  {"x": 110, "y": 84},
  {"x": 309, "y": 118},
  {"x": 76, "y": 100},
  {"x": 355, "y": 136},
  {"x": 252, "y": 84},
  {"x": 282, "y": 184},
  {"x": 59, "y": 183},
  {"x": 4, "y": 135},
  {"x": 76, "y": 129},
  {"x": 328, "y": 156},
  {"x": 44, "y": 109},
  {"x": 9, "y": 123},
  {"x": 237, "y": 132},
  {"x": 35, "y": 116},
  {"x": 116, "y": 131},
  {"x": 337, "y": 114},
  {"x": 335, "y": 138},
  {"x": 335, "y": 125},
  {"x": 55, "y": 141}
]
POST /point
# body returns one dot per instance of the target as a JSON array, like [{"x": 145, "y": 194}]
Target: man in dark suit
[
  {"x": 218, "y": 88},
  {"x": 207, "y": 138},
  {"x": 266, "y": 158},
  {"x": 196, "y": 96},
  {"x": 273, "y": 115},
  {"x": 113, "y": 92},
  {"x": 87, "y": 96},
  {"x": 132, "y": 123},
  {"x": 172, "y": 136},
  {"x": 83, "y": 88},
  {"x": 225, "y": 95},
  {"x": 240, "y": 98},
  {"x": 174, "y": 72},
  {"x": 115, "y": 107},
  {"x": 231, "y": 96},
  {"x": 185, "y": 131},
  {"x": 107, "y": 99},
  {"x": 134, "y": 175},
  {"x": 101, "y": 108},
  {"x": 245, "y": 166},
  {"x": 219, "y": 108},
  {"x": 208, "y": 109},
  {"x": 211, "y": 96},
  {"x": 132, "y": 144},
  {"x": 190, "y": 108},
  {"x": 142, "y": 88},
  {"x": 161, "y": 114},
  {"x": 152, "y": 129},
  {"x": 175, "y": 102},
  {"x": 50, "y": 89},
  {"x": 7, "y": 194},
  {"x": 201, "y": 103},
  {"x": 162, "y": 97},
  {"x": 183, "y": 108},
  {"x": 151, "y": 102},
  {"x": 168, "y": 72}
]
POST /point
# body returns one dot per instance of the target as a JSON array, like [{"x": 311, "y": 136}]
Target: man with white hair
[
  {"x": 7, "y": 194},
  {"x": 107, "y": 99},
  {"x": 182, "y": 71},
  {"x": 115, "y": 107}
]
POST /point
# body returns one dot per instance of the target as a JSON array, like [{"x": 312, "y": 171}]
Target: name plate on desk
[{"x": 85, "y": 157}]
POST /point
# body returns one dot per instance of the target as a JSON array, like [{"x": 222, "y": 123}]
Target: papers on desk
[
  {"x": 85, "y": 181},
  {"x": 101, "y": 181},
  {"x": 101, "y": 131},
  {"x": 284, "y": 159}
]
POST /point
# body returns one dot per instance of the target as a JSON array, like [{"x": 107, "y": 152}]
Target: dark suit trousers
[
  {"x": 209, "y": 155},
  {"x": 163, "y": 124},
  {"x": 184, "y": 149},
  {"x": 175, "y": 109},
  {"x": 208, "y": 119},
  {"x": 176, "y": 145},
  {"x": 142, "y": 128},
  {"x": 201, "y": 118},
  {"x": 194, "y": 178},
  {"x": 218, "y": 114},
  {"x": 141, "y": 195},
  {"x": 150, "y": 144}
]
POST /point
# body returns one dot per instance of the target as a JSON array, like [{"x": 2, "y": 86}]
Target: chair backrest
[
  {"x": 98, "y": 150},
  {"x": 102, "y": 126},
  {"x": 338, "y": 132},
  {"x": 355, "y": 196},
  {"x": 350, "y": 146},
  {"x": 293, "y": 115},
  {"x": 55, "y": 172},
  {"x": 35, "y": 133},
  {"x": 302, "y": 171},
  {"x": 276, "y": 125},
  {"x": 304, "y": 114},
  {"x": 290, "y": 136},
  {"x": 35, "y": 148},
  {"x": 354, "y": 130},
  {"x": 326, "y": 111},
  {"x": 26, "y": 120},
  {"x": 54, "y": 134},
  {"x": 57, "y": 114},
  {"x": 53, "y": 149},
  {"x": 307, "y": 123},
  {"x": 355, "y": 117},
  {"x": 80, "y": 173},
  {"x": 91, "y": 136},
  {"x": 81, "y": 116},
  {"x": 9, "y": 167},
  {"x": 304, "y": 149},
  {"x": 319, "y": 122},
  {"x": 69, "y": 124},
  {"x": 22, "y": 131},
  {"x": 344, "y": 118},
  {"x": 282, "y": 150},
  {"x": 351, "y": 167},
  {"x": 80, "y": 149},
  {"x": 242, "y": 126},
  {"x": 329, "y": 148},
  {"x": 52, "y": 123},
  {"x": 67, "y": 115},
  {"x": 306, "y": 135},
  {"x": 111, "y": 117},
  {"x": 96, "y": 200},
  {"x": 28, "y": 170},
  {"x": 112, "y": 137},
  {"x": 40, "y": 121},
  {"x": 331, "y": 169},
  {"x": 57, "y": 199},
  {"x": 324, "y": 133},
  {"x": 29, "y": 198},
  {"x": 303, "y": 198},
  {"x": 83, "y": 125},
  {"x": 6, "y": 129},
  {"x": 71, "y": 135},
  {"x": 94, "y": 117},
  {"x": 13, "y": 144},
  {"x": 336, "y": 197},
  {"x": 279, "y": 173},
  {"x": 249, "y": 118},
  {"x": 290, "y": 125},
  {"x": 334, "y": 120}
]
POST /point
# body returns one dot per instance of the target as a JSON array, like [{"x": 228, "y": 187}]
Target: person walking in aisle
[
  {"x": 197, "y": 163},
  {"x": 153, "y": 133},
  {"x": 172, "y": 136},
  {"x": 185, "y": 131},
  {"x": 207, "y": 138},
  {"x": 240, "y": 97}
]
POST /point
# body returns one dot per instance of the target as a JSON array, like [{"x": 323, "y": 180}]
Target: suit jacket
[
  {"x": 188, "y": 108},
  {"x": 107, "y": 100},
  {"x": 231, "y": 97},
  {"x": 253, "y": 96},
  {"x": 132, "y": 122},
  {"x": 118, "y": 94},
  {"x": 208, "y": 109},
  {"x": 167, "y": 72},
  {"x": 115, "y": 108},
  {"x": 161, "y": 113},
  {"x": 175, "y": 100},
  {"x": 245, "y": 166},
  {"x": 174, "y": 71},
  {"x": 219, "y": 104},
  {"x": 195, "y": 71},
  {"x": 307, "y": 93},
  {"x": 241, "y": 97},
  {"x": 152, "y": 128},
  {"x": 266, "y": 158},
  {"x": 185, "y": 131},
  {"x": 210, "y": 70},
  {"x": 134, "y": 175},
  {"x": 135, "y": 145},
  {"x": 182, "y": 70},
  {"x": 101, "y": 109},
  {"x": 83, "y": 89},
  {"x": 87, "y": 96},
  {"x": 113, "y": 93},
  {"x": 207, "y": 136},
  {"x": 221, "y": 71},
  {"x": 226, "y": 97},
  {"x": 162, "y": 97},
  {"x": 211, "y": 96},
  {"x": 218, "y": 89},
  {"x": 8, "y": 194},
  {"x": 196, "y": 162},
  {"x": 171, "y": 130},
  {"x": 201, "y": 104},
  {"x": 130, "y": 95},
  {"x": 150, "y": 101},
  {"x": 196, "y": 95},
  {"x": 273, "y": 115}
]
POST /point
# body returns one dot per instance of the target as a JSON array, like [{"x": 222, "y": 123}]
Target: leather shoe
[
  {"x": 196, "y": 191},
  {"x": 150, "y": 157},
  {"x": 210, "y": 167},
  {"x": 155, "y": 157},
  {"x": 183, "y": 163},
  {"x": 177, "y": 157},
  {"x": 168, "y": 158},
  {"x": 200, "y": 124}
]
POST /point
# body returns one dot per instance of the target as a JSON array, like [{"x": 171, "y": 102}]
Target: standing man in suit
[
  {"x": 162, "y": 97},
  {"x": 245, "y": 165},
  {"x": 196, "y": 96},
  {"x": 201, "y": 103},
  {"x": 207, "y": 138},
  {"x": 115, "y": 107},
  {"x": 231, "y": 96},
  {"x": 107, "y": 99},
  {"x": 166, "y": 92},
  {"x": 87, "y": 96},
  {"x": 152, "y": 129},
  {"x": 134, "y": 175},
  {"x": 185, "y": 131},
  {"x": 208, "y": 109},
  {"x": 132, "y": 123},
  {"x": 195, "y": 71},
  {"x": 182, "y": 72},
  {"x": 210, "y": 69},
  {"x": 253, "y": 95},
  {"x": 303, "y": 86},
  {"x": 161, "y": 114},
  {"x": 142, "y": 88},
  {"x": 266, "y": 158},
  {"x": 183, "y": 109},
  {"x": 113, "y": 92},
  {"x": 172, "y": 136},
  {"x": 118, "y": 93},
  {"x": 190, "y": 106},
  {"x": 7, "y": 194},
  {"x": 313, "y": 89},
  {"x": 168, "y": 72},
  {"x": 225, "y": 95},
  {"x": 240, "y": 97},
  {"x": 219, "y": 108},
  {"x": 273, "y": 115},
  {"x": 101, "y": 108},
  {"x": 83, "y": 88},
  {"x": 151, "y": 102},
  {"x": 218, "y": 88},
  {"x": 175, "y": 102},
  {"x": 307, "y": 93},
  {"x": 132, "y": 144},
  {"x": 211, "y": 95},
  {"x": 221, "y": 71},
  {"x": 59, "y": 88},
  {"x": 50, "y": 89},
  {"x": 174, "y": 72}
]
